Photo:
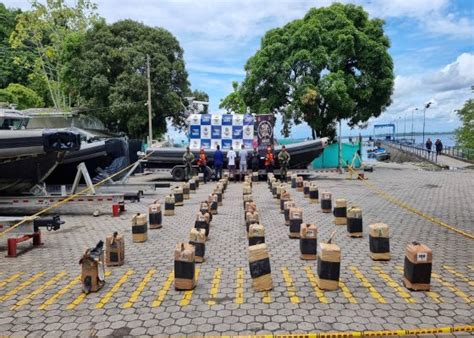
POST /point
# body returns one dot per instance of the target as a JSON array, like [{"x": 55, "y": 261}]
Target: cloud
[
  {"x": 456, "y": 75},
  {"x": 204, "y": 68}
]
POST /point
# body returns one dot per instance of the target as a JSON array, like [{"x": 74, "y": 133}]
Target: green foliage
[
  {"x": 234, "y": 102},
  {"x": 331, "y": 65},
  {"x": 22, "y": 96},
  {"x": 200, "y": 95},
  {"x": 9, "y": 72},
  {"x": 465, "y": 133},
  {"x": 47, "y": 30},
  {"x": 108, "y": 71}
]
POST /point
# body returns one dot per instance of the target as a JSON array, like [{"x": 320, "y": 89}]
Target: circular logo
[
  {"x": 227, "y": 131},
  {"x": 205, "y": 131},
  {"x": 248, "y": 131},
  {"x": 264, "y": 130}
]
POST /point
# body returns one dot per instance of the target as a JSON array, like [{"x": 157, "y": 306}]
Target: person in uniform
[
  {"x": 202, "y": 162},
  {"x": 284, "y": 160},
  {"x": 269, "y": 160},
  {"x": 188, "y": 159}
]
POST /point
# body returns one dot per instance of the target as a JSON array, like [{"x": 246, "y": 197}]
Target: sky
[{"x": 432, "y": 45}]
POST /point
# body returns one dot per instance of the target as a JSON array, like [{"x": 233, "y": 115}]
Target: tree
[
  {"x": 200, "y": 95},
  {"x": 331, "y": 65},
  {"x": 465, "y": 133},
  {"x": 234, "y": 102},
  {"x": 108, "y": 71},
  {"x": 20, "y": 95},
  {"x": 9, "y": 72},
  {"x": 47, "y": 30}
]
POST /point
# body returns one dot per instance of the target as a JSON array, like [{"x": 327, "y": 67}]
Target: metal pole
[
  {"x": 339, "y": 160},
  {"x": 405, "y": 127},
  {"x": 424, "y": 115},
  {"x": 412, "y": 134},
  {"x": 150, "y": 127}
]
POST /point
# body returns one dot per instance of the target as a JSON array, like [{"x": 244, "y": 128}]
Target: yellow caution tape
[{"x": 404, "y": 205}]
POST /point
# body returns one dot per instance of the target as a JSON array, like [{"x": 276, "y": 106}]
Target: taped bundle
[
  {"x": 296, "y": 219},
  {"x": 247, "y": 198},
  {"x": 196, "y": 180},
  {"x": 293, "y": 181},
  {"x": 192, "y": 186},
  {"x": 285, "y": 196},
  {"x": 197, "y": 238},
  {"x": 354, "y": 222},
  {"x": 308, "y": 241},
  {"x": 255, "y": 176},
  {"x": 306, "y": 186},
  {"x": 218, "y": 193},
  {"x": 169, "y": 205},
  {"x": 114, "y": 250},
  {"x": 340, "y": 212},
  {"x": 139, "y": 228},
  {"x": 201, "y": 177},
  {"x": 260, "y": 271},
  {"x": 329, "y": 265},
  {"x": 256, "y": 234},
  {"x": 178, "y": 196},
  {"x": 251, "y": 218},
  {"x": 275, "y": 185},
  {"x": 184, "y": 267},
  {"x": 288, "y": 205},
  {"x": 186, "y": 191},
  {"x": 417, "y": 267},
  {"x": 93, "y": 269},
  {"x": 313, "y": 193},
  {"x": 212, "y": 201},
  {"x": 154, "y": 215},
  {"x": 250, "y": 207},
  {"x": 204, "y": 207},
  {"x": 326, "y": 202},
  {"x": 225, "y": 182},
  {"x": 202, "y": 222},
  {"x": 379, "y": 242},
  {"x": 247, "y": 189},
  {"x": 248, "y": 179},
  {"x": 299, "y": 184},
  {"x": 271, "y": 179}
]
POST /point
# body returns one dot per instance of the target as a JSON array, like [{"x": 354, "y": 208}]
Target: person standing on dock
[
  {"x": 231, "y": 155},
  {"x": 438, "y": 147},
  {"x": 202, "y": 162},
  {"x": 428, "y": 145},
  {"x": 243, "y": 162},
  {"x": 188, "y": 159},
  {"x": 218, "y": 163},
  {"x": 269, "y": 160},
  {"x": 284, "y": 159},
  {"x": 255, "y": 160}
]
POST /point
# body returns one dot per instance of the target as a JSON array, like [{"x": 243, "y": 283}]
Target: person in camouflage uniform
[
  {"x": 188, "y": 159},
  {"x": 284, "y": 159}
]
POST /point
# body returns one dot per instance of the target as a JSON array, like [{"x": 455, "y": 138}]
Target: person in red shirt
[
  {"x": 202, "y": 163},
  {"x": 269, "y": 160}
]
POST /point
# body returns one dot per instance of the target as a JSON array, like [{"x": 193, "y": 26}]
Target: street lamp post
[
  {"x": 424, "y": 118},
  {"x": 412, "y": 131}
]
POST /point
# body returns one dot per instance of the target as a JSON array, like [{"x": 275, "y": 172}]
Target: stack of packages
[
  {"x": 93, "y": 269},
  {"x": 184, "y": 267},
  {"x": 308, "y": 241},
  {"x": 154, "y": 215},
  {"x": 251, "y": 217},
  {"x": 288, "y": 205},
  {"x": 186, "y": 191},
  {"x": 417, "y": 267},
  {"x": 196, "y": 181},
  {"x": 329, "y": 265},
  {"x": 295, "y": 220},
  {"x": 354, "y": 222},
  {"x": 260, "y": 271},
  {"x": 202, "y": 222},
  {"x": 340, "y": 212},
  {"x": 247, "y": 198},
  {"x": 299, "y": 184},
  {"x": 169, "y": 205},
  {"x": 256, "y": 234},
  {"x": 115, "y": 250},
  {"x": 219, "y": 192},
  {"x": 275, "y": 185},
  {"x": 285, "y": 196},
  {"x": 255, "y": 176},
  {"x": 178, "y": 196},
  {"x": 379, "y": 242},
  {"x": 326, "y": 202},
  {"x": 139, "y": 228},
  {"x": 306, "y": 186},
  {"x": 197, "y": 238},
  {"x": 192, "y": 186},
  {"x": 313, "y": 193},
  {"x": 293, "y": 181},
  {"x": 212, "y": 200}
]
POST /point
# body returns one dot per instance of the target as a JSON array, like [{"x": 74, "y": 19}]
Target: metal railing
[
  {"x": 459, "y": 153},
  {"x": 429, "y": 155}
]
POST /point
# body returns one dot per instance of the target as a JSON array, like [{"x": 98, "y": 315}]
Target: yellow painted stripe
[
  {"x": 114, "y": 289},
  {"x": 451, "y": 287},
  {"x": 134, "y": 297},
  {"x": 471, "y": 267},
  {"x": 289, "y": 286},
  {"x": 79, "y": 299},
  {"x": 432, "y": 294},
  {"x": 459, "y": 275},
  {"x": 216, "y": 281},
  {"x": 60, "y": 293},
  {"x": 239, "y": 287},
  {"x": 21, "y": 286},
  {"x": 365, "y": 282},
  {"x": 394, "y": 285},
  {"x": 10, "y": 279},
  {"x": 312, "y": 279},
  {"x": 164, "y": 290},
  {"x": 25, "y": 300},
  {"x": 267, "y": 297},
  {"x": 347, "y": 293},
  {"x": 189, "y": 294}
]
